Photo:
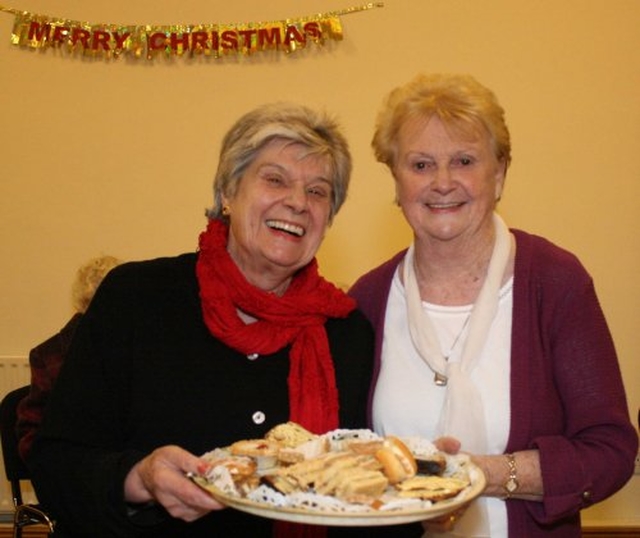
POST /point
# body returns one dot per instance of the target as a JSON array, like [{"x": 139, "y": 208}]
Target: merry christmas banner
[{"x": 106, "y": 40}]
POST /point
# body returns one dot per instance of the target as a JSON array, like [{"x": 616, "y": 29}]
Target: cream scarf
[{"x": 463, "y": 411}]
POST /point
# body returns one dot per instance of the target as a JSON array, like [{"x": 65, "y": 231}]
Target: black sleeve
[{"x": 78, "y": 460}]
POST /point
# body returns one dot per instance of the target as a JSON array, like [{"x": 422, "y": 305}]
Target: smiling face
[
  {"x": 279, "y": 213},
  {"x": 447, "y": 184}
]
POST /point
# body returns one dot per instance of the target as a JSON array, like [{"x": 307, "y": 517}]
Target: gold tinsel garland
[{"x": 105, "y": 40}]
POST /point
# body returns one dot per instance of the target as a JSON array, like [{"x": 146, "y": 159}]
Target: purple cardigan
[{"x": 567, "y": 395}]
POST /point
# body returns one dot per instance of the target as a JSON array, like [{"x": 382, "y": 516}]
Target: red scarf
[{"x": 296, "y": 318}]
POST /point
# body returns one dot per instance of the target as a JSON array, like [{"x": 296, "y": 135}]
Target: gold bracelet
[{"x": 512, "y": 484}]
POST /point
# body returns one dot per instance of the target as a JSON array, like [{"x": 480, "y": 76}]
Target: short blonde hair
[
  {"x": 318, "y": 131},
  {"x": 459, "y": 101},
  {"x": 88, "y": 278}
]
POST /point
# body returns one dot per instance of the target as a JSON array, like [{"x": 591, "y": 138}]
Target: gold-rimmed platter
[{"x": 310, "y": 508}]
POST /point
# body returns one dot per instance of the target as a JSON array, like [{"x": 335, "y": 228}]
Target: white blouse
[{"x": 408, "y": 402}]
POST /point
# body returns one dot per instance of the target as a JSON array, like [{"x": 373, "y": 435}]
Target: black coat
[{"x": 143, "y": 371}]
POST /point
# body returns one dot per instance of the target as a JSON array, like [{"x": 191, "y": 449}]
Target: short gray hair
[{"x": 285, "y": 121}]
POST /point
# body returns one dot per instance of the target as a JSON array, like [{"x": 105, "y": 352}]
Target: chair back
[{"x": 14, "y": 467}]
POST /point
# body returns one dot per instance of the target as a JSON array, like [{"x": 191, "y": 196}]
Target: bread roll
[{"x": 398, "y": 463}]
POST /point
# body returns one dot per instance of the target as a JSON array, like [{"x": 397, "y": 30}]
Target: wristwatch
[{"x": 512, "y": 484}]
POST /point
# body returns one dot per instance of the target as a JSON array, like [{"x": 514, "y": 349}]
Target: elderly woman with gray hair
[{"x": 179, "y": 355}]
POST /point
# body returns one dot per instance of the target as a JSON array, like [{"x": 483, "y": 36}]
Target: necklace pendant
[{"x": 440, "y": 380}]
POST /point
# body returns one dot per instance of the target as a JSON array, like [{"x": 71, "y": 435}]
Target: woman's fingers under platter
[
  {"x": 164, "y": 476},
  {"x": 444, "y": 523}
]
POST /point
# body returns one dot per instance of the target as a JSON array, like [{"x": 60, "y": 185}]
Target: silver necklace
[{"x": 439, "y": 379}]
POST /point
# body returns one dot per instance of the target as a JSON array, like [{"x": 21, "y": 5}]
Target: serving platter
[
  {"x": 308, "y": 506},
  {"x": 335, "y": 513}
]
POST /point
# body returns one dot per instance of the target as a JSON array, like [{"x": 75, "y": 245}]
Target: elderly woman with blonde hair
[
  {"x": 88, "y": 278},
  {"x": 489, "y": 338}
]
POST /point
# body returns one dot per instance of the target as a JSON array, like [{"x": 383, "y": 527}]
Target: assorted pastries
[{"x": 354, "y": 467}]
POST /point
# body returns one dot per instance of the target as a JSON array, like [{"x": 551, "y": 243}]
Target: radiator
[{"x": 14, "y": 373}]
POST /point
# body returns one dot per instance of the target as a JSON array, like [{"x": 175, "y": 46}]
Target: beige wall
[{"x": 117, "y": 156}]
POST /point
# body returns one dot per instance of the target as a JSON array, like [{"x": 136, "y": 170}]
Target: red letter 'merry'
[{"x": 39, "y": 32}]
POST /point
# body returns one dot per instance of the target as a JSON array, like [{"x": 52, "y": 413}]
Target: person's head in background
[{"x": 88, "y": 278}]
